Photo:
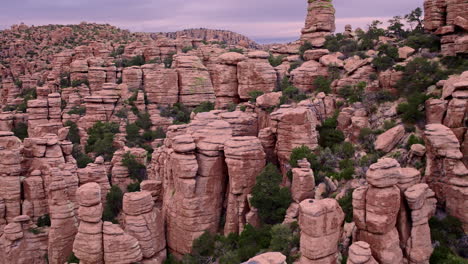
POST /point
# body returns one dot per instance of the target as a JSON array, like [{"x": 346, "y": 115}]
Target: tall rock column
[
  {"x": 320, "y": 22},
  {"x": 245, "y": 159},
  {"x": 10, "y": 186},
  {"x": 224, "y": 76},
  {"x": 446, "y": 174},
  {"x": 321, "y": 223},
  {"x": 63, "y": 221},
  {"x": 375, "y": 209},
  {"x": 422, "y": 204},
  {"x": 145, "y": 222},
  {"x": 88, "y": 242},
  {"x": 294, "y": 127},
  {"x": 255, "y": 74}
]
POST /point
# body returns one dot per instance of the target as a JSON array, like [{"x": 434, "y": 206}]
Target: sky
[{"x": 264, "y": 21}]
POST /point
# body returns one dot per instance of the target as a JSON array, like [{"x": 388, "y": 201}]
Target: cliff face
[
  {"x": 229, "y": 37},
  {"x": 119, "y": 147}
]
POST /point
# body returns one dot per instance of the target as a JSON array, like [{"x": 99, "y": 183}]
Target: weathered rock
[
  {"x": 321, "y": 226},
  {"x": 267, "y": 258},
  {"x": 360, "y": 253},
  {"x": 255, "y": 74},
  {"x": 161, "y": 86},
  {"x": 384, "y": 173},
  {"x": 245, "y": 159},
  {"x": 389, "y": 139},
  {"x": 195, "y": 84},
  {"x": 303, "y": 182},
  {"x": 320, "y": 19},
  {"x": 119, "y": 247},
  {"x": 304, "y": 76}
]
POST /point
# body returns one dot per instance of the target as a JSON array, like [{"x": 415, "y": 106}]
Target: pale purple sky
[{"x": 261, "y": 20}]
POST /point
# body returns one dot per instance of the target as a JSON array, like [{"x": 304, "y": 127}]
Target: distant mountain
[{"x": 226, "y": 36}]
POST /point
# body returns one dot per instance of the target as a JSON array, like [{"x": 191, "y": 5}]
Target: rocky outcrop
[
  {"x": 445, "y": 171},
  {"x": 10, "y": 186},
  {"x": 303, "y": 77},
  {"x": 192, "y": 168},
  {"x": 268, "y": 258},
  {"x": 447, "y": 18},
  {"x": 294, "y": 127},
  {"x": 64, "y": 223},
  {"x": 390, "y": 139},
  {"x": 321, "y": 223},
  {"x": 161, "y": 86},
  {"x": 145, "y": 222},
  {"x": 320, "y": 22},
  {"x": 255, "y": 74},
  {"x": 360, "y": 253},
  {"x": 303, "y": 182},
  {"x": 224, "y": 76},
  {"x": 383, "y": 219},
  {"x": 23, "y": 242},
  {"x": 119, "y": 247},
  {"x": 245, "y": 159},
  {"x": 195, "y": 84}
]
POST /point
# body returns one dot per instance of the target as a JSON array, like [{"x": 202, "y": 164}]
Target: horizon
[{"x": 279, "y": 22}]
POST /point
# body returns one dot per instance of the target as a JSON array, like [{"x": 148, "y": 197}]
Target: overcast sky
[{"x": 261, "y": 20}]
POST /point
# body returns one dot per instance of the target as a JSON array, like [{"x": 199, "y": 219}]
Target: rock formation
[
  {"x": 392, "y": 230},
  {"x": 321, "y": 223},
  {"x": 245, "y": 159},
  {"x": 320, "y": 22}
]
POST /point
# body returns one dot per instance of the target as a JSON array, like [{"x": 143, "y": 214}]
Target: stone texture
[
  {"x": 321, "y": 226},
  {"x": 390, "y": 139},
  {"x": 255, "y": 74},
  {"x": 245, "y": 159}
]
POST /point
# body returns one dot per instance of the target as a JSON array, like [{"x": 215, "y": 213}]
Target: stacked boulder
[
  {"x": 320, "y": 22},
  {"x": 245, "y": 159},
  {"x": 195, "y": 84},
  {"x": 23, "y": 242},
  {"x": 321, "y": 223},
  {"x": 294, "y": 127},
  {"x": 448, "y": 19},
  {"x": 394, "y": 230},
  {"x": 193, "y": 171},
  {"x": 445, "y": 173},
  {"x": 98, "y": 242},
  {"x": 255, "y": 75},
  {"x": 224, "y": 76},
  {"x": 145, "y": 222}
]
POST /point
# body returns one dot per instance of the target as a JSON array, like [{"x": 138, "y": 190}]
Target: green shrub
[
  {"x": 231, "y": 107},
  {"x": 73, "y": 133},
  {"x": 65, "y": 80},
  {"x": 292, "y": 93},
  {"x": 43, "y": 220},
  {"x": 305, "y": 47},
  {"x": 323, "y": 84},
  {"x": 101, "y": 139},
  {"x": 299, "y": 153},
  {"x": 294, "y": 65},
  {"x": 382, "y": 63},
  {"x": 72, "y": 258},
  {"x": 168, "y": 60},
  {"x": 339, "y": 42},
  {"x": 353, "y": 94},
  {"x": 122, "y": 113},
  {"x": 77, "y": 110},
  {"x": 268, "y": 197},
  {"x": 133, "y": 187},
  {"x": 345, "y": 150},
  {"x": 254, "y": 95},
  {"x": 367, "y": 138},
  {"x": 204, "y": 107},
  {"x": 421, "y": 40},
  {"x": 113, "y": 206},
  {"x": 275, "y": 60},
  {"x": 456, "y": 64},
  {"x": 20, "y": 130},
  {"x": 82, "y": 160},
  {"x": 413, "y": 139},
  {"x": 329, "y": 135},
  {"x": 136, "y": 170},
  {"x": 179, "y": 112},
  {"x": 346, "y": 204},
  {"x": 187, "y": 49},
  {"x": 446, "y": 233},
  {"x": 410, "y": 111},
  {"x": 241, "y": 51},
  {"x": 284, "y": 238},
  {"x": 143, "y": 121},
  {"x": 418, "y": 75},
  {"x": 133, "y": 135},
  {"x": 117, "y": 52},
  {"x": 76, "y": 83}
]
